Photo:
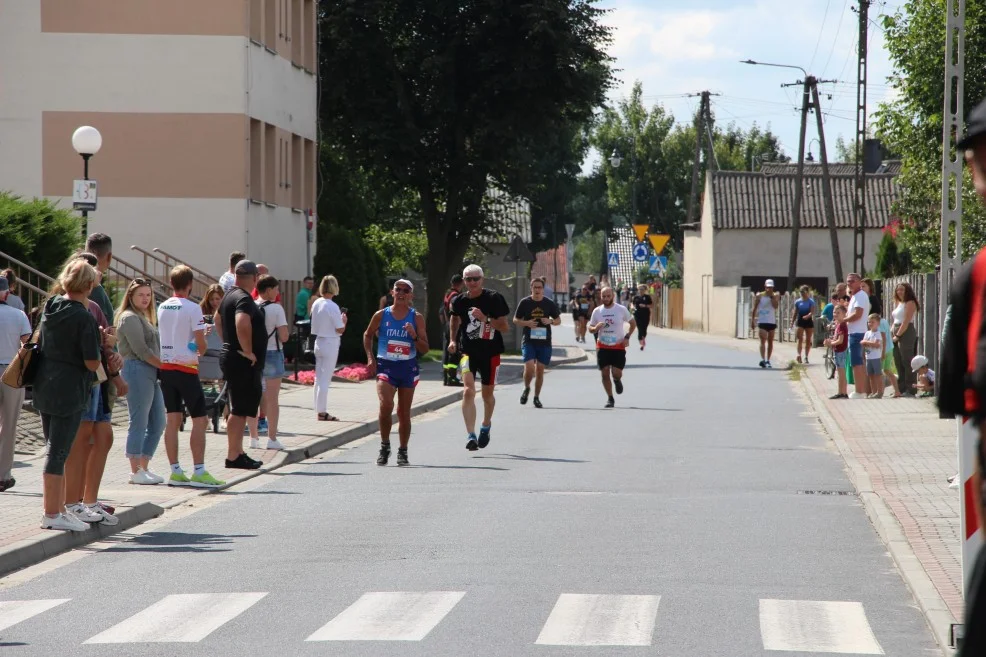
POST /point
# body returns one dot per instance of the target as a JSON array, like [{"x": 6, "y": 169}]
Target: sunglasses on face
[
  {"x": 137, "y": 282},
  {"x": 472, "y": 279},
  {"x": 402, "y": 290}
]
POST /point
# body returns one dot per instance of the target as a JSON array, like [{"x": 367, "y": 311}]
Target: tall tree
[
  {"x": 911, "y": 124},
  {"x": 451, "y": 98}
]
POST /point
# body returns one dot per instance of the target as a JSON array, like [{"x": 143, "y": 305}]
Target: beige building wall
[
  {"x": 172, "y": 85},
  {"x": 697, "y": 269}
]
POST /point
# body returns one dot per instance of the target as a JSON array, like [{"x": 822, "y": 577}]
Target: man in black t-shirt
[
  {"x": 241, "y": 325},
  {"x": 642, "y": 303},
  {"x": 583, "y": 308},
  {"x": 477, "y": 321},
  {"x": 537, "y": 314}
]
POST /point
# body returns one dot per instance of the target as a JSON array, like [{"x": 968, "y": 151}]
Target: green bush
[
  {"x": 399, "y": 250},
  {"x": 359, "y": 269},
  {"x": 37, "y": 232}
]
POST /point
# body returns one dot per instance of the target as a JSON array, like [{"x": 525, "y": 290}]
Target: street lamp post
[
  {"x": 810, "y": 157},
  {"x": 615, "y": 161},
  {"x": 86, "y": 141}
]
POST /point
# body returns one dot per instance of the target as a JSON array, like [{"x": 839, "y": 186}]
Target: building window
[
  {"x": 256, "y": 160},
  {"x": 270, "y": 24},
  {"x": 311, "y": 36},
  {"x": 297, "y": 172},
  {"x": 311, "y": 167},
  {"x": 270, "y": 163},
  {"x": 297, "y": 32},
  {"x": 257, "y": 20}
]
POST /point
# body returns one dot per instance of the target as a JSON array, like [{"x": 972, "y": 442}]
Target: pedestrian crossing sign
[
  {"x": 614, "y": 259},
  {"x": 658, "y": 265}
]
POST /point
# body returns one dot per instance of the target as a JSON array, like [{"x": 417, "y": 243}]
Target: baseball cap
[
  {"x": 769, "y": 283},
  {"x": 975, "y": 126},
  {"x": 4, "y": 285},
  {"x": 246, "y": 268},
  {"x": 405, "y": 282},
  {"x": 918, "y": 362}
]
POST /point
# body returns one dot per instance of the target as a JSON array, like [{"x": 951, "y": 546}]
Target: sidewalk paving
[
  {"x": 899, "y": 455},
  {"x": 23, "y": 542}
]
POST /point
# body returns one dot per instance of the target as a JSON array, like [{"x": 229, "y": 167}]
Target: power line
[
  {"x": 835, "y": 42},
  {"x": 821, "y": 31}
]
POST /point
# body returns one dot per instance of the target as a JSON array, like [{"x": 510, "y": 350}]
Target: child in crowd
[
  {"x": 874, "y": 346},
  {"x": 926, "y": 376},
  {"x": 840, "y": 346},
  {"x": 889, "y": 369}
]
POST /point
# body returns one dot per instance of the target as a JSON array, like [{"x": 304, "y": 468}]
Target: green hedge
[
  {"x": 37, "y": 232},
  {"x": 344, "y": 254}
]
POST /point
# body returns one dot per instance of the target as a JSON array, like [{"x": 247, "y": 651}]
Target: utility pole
[
  {"x": 792, "y": 268},
  {"x": 827, "y": 183},
  {"x": 703, "y": 137},
  {"x": 859, "y": 208}
]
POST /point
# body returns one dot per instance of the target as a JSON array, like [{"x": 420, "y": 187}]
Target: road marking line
[
  {"x": 13, "y": 612},
  {"x": 401, "y": 616},
  {"x": 601, "y": 620},
  {"x": 180, "y": 618},
  {"x": 808, "y": 626}
]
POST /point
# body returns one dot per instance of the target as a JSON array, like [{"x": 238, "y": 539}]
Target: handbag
[{"x": 23, "y": 368}]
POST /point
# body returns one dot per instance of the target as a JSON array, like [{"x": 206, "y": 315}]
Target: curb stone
[
  {"x": 935, "y": 611},
  {"x": 36, "y": 549}
]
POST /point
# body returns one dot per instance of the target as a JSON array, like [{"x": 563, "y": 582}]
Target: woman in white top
[
  {"x": 905, "y": 336},
  {"x": 328, "y": 325}
]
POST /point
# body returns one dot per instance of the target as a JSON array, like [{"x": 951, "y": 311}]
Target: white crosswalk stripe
[
  {"x": 601, "y": 620},
  {"x": 13, "y": 612},
  {"x": 181, "y": 618},
  {"x": 401, "y": 616},
  {"x": 819, "y": 627}
]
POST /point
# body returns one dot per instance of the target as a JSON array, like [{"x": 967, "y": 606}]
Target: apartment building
[{"x": 207, "y": 109}]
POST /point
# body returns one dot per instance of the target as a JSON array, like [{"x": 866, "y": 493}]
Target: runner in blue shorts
[
  {"x": 401, "y": 336},
  {"x": 536, "y": 314}
]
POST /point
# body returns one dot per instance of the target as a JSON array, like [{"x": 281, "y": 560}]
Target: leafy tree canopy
[{"x": 37, "y": 232}]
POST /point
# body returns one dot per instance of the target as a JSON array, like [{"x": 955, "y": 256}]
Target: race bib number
[
  {"x": 585, "y": 306},
  {"x": 487, "y": 331},
  {"x": 540, "y": 333},
  {"x": 610, "y": 340},
  {"x": 397, "y": 350}
]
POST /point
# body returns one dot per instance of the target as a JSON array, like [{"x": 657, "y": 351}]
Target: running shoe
[
  {"x": 142, "y": 478},
  {"x": 7, "y": 483},
  {"x": 763, "y": 363},
  {"x": 179, "y": 479},
  {"x": 107, "y": 518},
  {"x": 769, "y": 366},
  {"x": 158, "y": 479},
  {"x": 262, "y": 426},
  {"x": 402, "y": 457},
  {"x": 537, "y": 403},
  {"x": 484, "y": 436},
  {"x": 243, "y": 462},
  {"x": 275, "y": 444},
  {"x": 610, "y": 403},
  {"x": 205, "y": 480},
  {"x": 82, "y": 512},
  {"x": 524, "y": 395},
  {"x": 63, "y": 522},
  {"x": 255, "y": 443},
  {"x": 618, "y": 384},
  {"x": 106, "y": 507},
  {"x": 471, "y": 444},
  {"x": 384, "y": 454},
  {"x": 839, "y": 396}
]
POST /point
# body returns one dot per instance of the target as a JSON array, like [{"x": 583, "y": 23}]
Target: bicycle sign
[{"x": 84, "y": 195}]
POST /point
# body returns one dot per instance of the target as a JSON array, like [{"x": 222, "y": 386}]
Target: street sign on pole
[
  {"x": 518, "y": 251},
  {"x": 658, "y": 242},
  {"x": 640, "y": 252},
  {"x": 570, "y": 230},
  {"x": 658, "y": 265},
  {"x": 640, "y": 230},
  {"x": 84, "y": 195},
  {"x": 614, "y": 259}
]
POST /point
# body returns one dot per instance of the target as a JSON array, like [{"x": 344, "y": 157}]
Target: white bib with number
[{"x": 540, "y": 333}]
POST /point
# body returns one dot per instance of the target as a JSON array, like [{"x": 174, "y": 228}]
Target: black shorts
[
  {"x": 805, "y": 323},
  {"x": 182, "y": 388},
  {"x": 767, "y": 327},
  {"x": 244, "y": 382},
  {"x": 484, "y": 368},
  {"x": 615, "y": 358}
]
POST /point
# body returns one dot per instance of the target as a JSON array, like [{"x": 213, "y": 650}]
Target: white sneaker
[
  {"x": 255, "y": 443},
  {"x": 63, "y": 522},
  {"x": 274, "y": 444},
  {"x": 158, "y": 479},
  {"x": 106, "y": 517},
  {"x": 143, "y": 478},
  {"x": 856, "y": 395},
  {"x": 83, "y": 513}
]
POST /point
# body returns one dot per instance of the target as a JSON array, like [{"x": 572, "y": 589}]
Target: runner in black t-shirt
[
  {"x": 477, "y": 321},
  {"x": 583, "y": 308},
  {"x": 537, "y": 314},
  {"x": 242, "y": 364},
  {"x": 642, "y": 304}
]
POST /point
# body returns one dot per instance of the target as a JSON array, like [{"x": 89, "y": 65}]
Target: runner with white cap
[{"x": 765, "y": 319}]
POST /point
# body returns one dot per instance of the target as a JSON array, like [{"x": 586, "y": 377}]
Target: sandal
[{"x": 325, "y": 417}]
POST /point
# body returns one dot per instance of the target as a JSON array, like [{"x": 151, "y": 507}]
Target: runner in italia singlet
[{"x": 397, "y": 356}]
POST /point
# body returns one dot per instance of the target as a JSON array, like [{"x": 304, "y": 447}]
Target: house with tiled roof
[{"x": 744, "y": 236}]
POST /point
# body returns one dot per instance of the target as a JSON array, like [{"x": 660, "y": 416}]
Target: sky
[{"x": 680, "y": 47}]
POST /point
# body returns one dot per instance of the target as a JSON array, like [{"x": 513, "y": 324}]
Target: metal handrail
[
  {"x": 27, "y": 267},
  {"x": 148, "y": 254},
  {"x": 208, "y": 278}
]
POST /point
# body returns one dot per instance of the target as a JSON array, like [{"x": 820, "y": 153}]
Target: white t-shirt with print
[
  {"x": 874, "y": 353},
  {"x": 859, "y": 300},
  {"x": 178, "y": 319},
  {"x": 13, "y": 324},
  {"x": 326, "y": 319},
  {"x": 274, "y": 318},
  {"x": 611, "y": 335}
]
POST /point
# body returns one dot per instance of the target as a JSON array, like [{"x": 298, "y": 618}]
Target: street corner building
[
  {"x": 744, "y": 236},
  {"x": 207, "y": 111}
]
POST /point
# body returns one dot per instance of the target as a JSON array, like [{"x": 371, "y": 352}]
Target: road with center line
[{"x": 686, "y": 521}]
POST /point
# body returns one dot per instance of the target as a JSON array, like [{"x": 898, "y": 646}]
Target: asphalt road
[{"x": 676, "y": 524}]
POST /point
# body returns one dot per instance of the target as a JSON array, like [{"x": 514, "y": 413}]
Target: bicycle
[{"x": 829, "y": 351}]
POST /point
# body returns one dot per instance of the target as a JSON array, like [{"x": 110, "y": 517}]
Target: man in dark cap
[{"x": 962, "y": 375}]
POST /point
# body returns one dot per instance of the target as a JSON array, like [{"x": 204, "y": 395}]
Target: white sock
[
  {"x": 199, "y": 469},
  {"x": 176, "y": 469}
]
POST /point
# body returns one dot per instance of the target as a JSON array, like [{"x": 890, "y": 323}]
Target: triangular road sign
[
  {"x": 518, "y": 251},
  {"x": 658, "y": 242},
  {"x": 640, "y": 230}
]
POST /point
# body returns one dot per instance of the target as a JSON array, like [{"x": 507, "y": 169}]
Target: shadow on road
[
  {"x": 517, "y": 457},
  {"x": 165, "y": 542},
  {"x": 671, "y": 366},
  {"x": 316, "y": 474},
  {"x": 618, "y": 408},
  {"x": 461, "y": 467}
]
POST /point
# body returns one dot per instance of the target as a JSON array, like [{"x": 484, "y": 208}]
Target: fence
[
  {"x": 32, "y": 285},
  {"x": 669, "y": 311},
  {"x": 159, "y": 265}
]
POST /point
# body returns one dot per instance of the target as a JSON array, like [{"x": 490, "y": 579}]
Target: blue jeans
[{"x": 146, "y": 406}]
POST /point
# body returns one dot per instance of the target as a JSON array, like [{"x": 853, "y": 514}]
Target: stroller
[{"x": 211, "y": 376}]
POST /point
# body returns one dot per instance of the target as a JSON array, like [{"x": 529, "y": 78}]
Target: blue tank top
[{"x": 393, "y": 341}]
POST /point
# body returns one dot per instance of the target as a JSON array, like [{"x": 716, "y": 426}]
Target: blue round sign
[{"x": 640, "y": 252}]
